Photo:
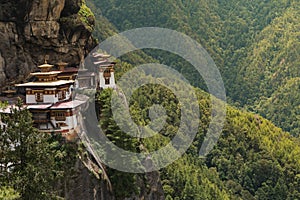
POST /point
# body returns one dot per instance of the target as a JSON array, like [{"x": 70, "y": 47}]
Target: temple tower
[{"x": 106, "y": 75}]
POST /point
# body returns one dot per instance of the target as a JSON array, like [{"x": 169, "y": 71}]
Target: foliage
[
  {"x": 283, "y": 107},
  {"x": 122, "y": 140},
  {"x": 32, "y": 163},
  {"x": 270, "y": 68},
  {"x": 253, "y": 158},
  {"x": 255, "y": 43},
  {"x": 87, "y": 16},
  {"x": 8, "y": 193},
  {"x": 84, "y": 20}
]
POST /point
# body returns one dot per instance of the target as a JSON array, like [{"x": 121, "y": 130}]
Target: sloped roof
[
  {"x": 67, "y": 104},
  {"x": 42, "y": 84},
  {"x": 39, "y": 106}
]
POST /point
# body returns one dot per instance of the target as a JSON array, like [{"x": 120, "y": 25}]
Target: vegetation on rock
[{"x": 87, "y": 17}]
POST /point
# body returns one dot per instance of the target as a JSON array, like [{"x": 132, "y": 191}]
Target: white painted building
[
  {"x": 51, "y": 92},
  {"x": 50, "y": 102},
  {"x": 106, "y": 76}
]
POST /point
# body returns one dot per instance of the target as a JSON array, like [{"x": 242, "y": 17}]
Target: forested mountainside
[
  {"x": 253, "y": 159},
  {"x": 273, "y": 71},
  {"x": 255, "y": 44}
]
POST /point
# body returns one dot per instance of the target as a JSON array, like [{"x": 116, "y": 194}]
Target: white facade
[
  {"x": 31, "y": 99},
  {"x": 47, "y": 98},
  {"x": 72, "y": 122},
  {"x": 44, "y": 126},
  {"x": 110, "y": 83},
  {"x": 50, "y": 99}
]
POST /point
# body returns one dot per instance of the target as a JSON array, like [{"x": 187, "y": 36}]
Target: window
[
  {"x": 39, "y": 97},
  {"x": 107, "y": 81},
  {"x": 107, "y": 73},
  {"x": 39, "y": 117},
  {"x": 60, "y": 116},
  {"x": 61, "y": 95}
]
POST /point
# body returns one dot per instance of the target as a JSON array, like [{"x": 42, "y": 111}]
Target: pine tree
[{"x": 29, "y": 157}]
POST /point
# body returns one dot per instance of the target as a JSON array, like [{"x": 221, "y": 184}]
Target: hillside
[
  {"x": 237, "y": 35},
  {"x": 271, "y": 69},
  {"x": 283, "y": 106},
  {"x": 252, "y": 160},
  {"x": 255, "y": 44},
  {"x": 273, "y": 58}
]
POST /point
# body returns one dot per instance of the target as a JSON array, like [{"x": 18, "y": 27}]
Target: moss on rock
[{"x": 87, "y": 16}]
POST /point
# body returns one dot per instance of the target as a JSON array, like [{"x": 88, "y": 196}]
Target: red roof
[
  {"x": 39, "y": 106},
  {"x": 67, "y": 104}
]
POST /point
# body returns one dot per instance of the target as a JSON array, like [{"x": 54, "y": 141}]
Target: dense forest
[
  {"x": 253, "y": 158},
  {"x": 254, "y": 43}
]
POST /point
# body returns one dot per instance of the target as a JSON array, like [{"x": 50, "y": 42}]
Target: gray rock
[{"x": 32, "y": 29}]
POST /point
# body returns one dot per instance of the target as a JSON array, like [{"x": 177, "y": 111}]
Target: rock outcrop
[{"x": 31, "y": 30}]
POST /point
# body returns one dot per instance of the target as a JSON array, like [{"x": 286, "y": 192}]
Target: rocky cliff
[
  {"x": 31, "y": 30},
  {"x": 57, "y": 30}
]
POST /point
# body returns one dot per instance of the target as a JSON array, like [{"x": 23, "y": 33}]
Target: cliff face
[
  {"x": 60, "y": 30},
  {"x": 33, "y": 29}
]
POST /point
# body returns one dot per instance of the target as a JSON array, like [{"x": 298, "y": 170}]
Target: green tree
[
  {"x": 32, "y": 162},
  {"x": 8, "y": 194}
]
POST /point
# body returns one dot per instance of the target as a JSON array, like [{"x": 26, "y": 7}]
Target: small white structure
[
  {"x": 106, "y": 71},
  {"x": 107, "y": 77}
]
